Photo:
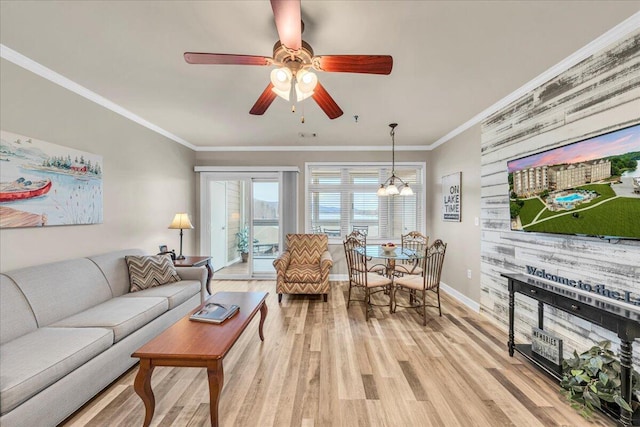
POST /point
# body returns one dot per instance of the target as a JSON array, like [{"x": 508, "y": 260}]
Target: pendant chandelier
[{"x": 394, "y": 185}]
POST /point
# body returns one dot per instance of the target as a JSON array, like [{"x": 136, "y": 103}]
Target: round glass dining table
[{"x": 398, "y": 254}]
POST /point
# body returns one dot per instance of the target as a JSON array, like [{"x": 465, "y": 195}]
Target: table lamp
[{"x": 180, "y": 221}]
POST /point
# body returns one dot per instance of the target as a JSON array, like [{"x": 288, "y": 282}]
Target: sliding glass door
[
  {"x": 241, "y": 228},
  {"x": 265, "y": 225}
]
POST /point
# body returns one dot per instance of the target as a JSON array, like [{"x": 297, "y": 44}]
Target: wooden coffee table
[{"x": 197, "y": 344}]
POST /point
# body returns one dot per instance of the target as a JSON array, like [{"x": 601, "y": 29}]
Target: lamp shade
[
  {"x": 306, "y": 82},
  {"x": 281, "y": 80},
  {"x": 180, "y": 222},
  {"x": 284, "y": 94}
]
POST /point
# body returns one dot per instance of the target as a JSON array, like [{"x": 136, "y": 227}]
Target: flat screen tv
[{"x": 588, "y": 188}]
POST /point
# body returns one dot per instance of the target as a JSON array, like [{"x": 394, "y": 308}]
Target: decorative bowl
[{"x": 389, "y": 247}]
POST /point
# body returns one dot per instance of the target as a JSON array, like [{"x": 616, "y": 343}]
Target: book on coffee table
[{"x": 214, "y": 312}]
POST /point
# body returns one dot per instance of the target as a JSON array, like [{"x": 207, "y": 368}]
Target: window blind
[{"x": 343, "y": 197}]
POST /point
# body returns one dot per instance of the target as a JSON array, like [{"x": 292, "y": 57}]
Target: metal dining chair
[
  {"x": 361, "y": 277},
  {"x": 416, "y": 286},
  {"x": 362, "y": 238},
  {"x": 364, "y": 229},
  {"x": 331, "y": 232},
  {"x": 414, "y": 241}
]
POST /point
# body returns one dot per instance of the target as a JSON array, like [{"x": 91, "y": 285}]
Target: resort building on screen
[
  {"x": 531, "y": 180},
  {"x": 559, "y": 177}
]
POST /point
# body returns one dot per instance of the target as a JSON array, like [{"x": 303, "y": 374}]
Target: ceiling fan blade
[
  {"x": 326, "y": 102},
  {"x": 264, "y": 101},
  {"x": 288, "y": 22},
  {"x": 224, "y": 58},
  {"x": 367, "y": 64}
]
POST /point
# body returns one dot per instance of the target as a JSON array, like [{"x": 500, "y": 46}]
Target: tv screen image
[{"x": 589, "y": 188}]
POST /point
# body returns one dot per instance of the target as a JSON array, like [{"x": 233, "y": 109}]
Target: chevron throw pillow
[{"x": 149, "y": 271}]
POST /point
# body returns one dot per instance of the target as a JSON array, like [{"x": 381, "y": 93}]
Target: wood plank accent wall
[{"x": 598, "y": 95}]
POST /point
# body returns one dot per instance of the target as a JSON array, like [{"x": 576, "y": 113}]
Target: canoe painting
[
  {"x": 23, "y": 189},
  {"x": 44, "y": 184}
]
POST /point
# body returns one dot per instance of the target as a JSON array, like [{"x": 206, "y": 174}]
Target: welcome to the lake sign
[{"x": 599, "y": 289}]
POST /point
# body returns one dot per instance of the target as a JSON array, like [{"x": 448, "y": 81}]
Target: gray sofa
[{"x": 67, "y": 330}]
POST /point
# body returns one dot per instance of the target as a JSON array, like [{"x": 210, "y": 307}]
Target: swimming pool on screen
[{"x": 573, "y": 197}]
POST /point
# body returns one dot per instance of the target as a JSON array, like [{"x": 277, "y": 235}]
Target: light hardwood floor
[{"x": 323, "y": 365}]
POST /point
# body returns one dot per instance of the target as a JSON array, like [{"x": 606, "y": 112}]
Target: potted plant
[
  {"x": 243, "y": 243},
  {"x": 592, "y": 380}
]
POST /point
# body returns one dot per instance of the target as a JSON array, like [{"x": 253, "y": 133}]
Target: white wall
[
  {"x": 147, "y": 177},
  {"x": 461, "y": 154}
]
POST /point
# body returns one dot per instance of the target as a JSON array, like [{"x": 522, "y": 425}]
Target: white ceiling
[{"x": 452, "y": 60}]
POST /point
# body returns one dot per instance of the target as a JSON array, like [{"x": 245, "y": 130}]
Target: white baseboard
[
  {"x": 460, "y": 297},
  {"x": 339, "y": 277}
]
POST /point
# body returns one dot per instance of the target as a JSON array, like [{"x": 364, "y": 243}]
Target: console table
[{"x": 605, "y": 313}]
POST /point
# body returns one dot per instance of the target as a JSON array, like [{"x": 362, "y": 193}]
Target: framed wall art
[
  {"x": 451, "y": 197},
  {"x": 44, "y": 184}
]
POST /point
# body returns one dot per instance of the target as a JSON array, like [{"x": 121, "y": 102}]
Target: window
[{"x": 341, "y": 197}]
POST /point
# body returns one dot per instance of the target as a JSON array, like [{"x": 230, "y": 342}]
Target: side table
[{"x": 197, "y": 261}]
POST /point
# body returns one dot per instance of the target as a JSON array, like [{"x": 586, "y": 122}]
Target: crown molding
[
  {"x": 316, "y": 148},
  {"x": 251, "y": 169},
  {"x": 616, "y": 33},
  {"x": 47, "y": 73}
]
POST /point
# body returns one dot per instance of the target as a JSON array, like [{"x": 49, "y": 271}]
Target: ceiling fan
[{"x": 295, "y": 60}]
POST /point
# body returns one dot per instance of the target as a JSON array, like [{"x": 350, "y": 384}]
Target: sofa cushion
[
  {"x": 38, "y": 359},
  {"x": 73, "y": 285},
  {"x": 303, "y": 273},
  {"x": 176, "y": 293},
  {"x": 122, "y": 315},
  {"x": 149, "y": 271},
  {"x": 114, "y": 268},
  {"x": 16, "y": 317}
]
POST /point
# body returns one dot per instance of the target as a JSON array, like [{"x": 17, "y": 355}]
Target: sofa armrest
[
  {"x": 282, "y": 262},
  {"x": 326, "y": 262},
  {"x": 195, "y": 273}
]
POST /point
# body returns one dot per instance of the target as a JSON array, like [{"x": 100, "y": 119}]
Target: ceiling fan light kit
[
  {"x": 281, "y": 80},
  {"x": 389, "y": 188},
  {"x": 306, "y": 82},
  {"x": 295, "y": 59}
]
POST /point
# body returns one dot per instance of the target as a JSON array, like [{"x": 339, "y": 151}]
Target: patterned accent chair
[{"x": 304, "y": 267}]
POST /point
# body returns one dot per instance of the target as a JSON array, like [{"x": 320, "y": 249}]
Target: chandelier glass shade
[{"x": 394, "y": 185}]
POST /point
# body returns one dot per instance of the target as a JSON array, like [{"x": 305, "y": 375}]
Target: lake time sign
[{"x": 451, "y": 197}]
